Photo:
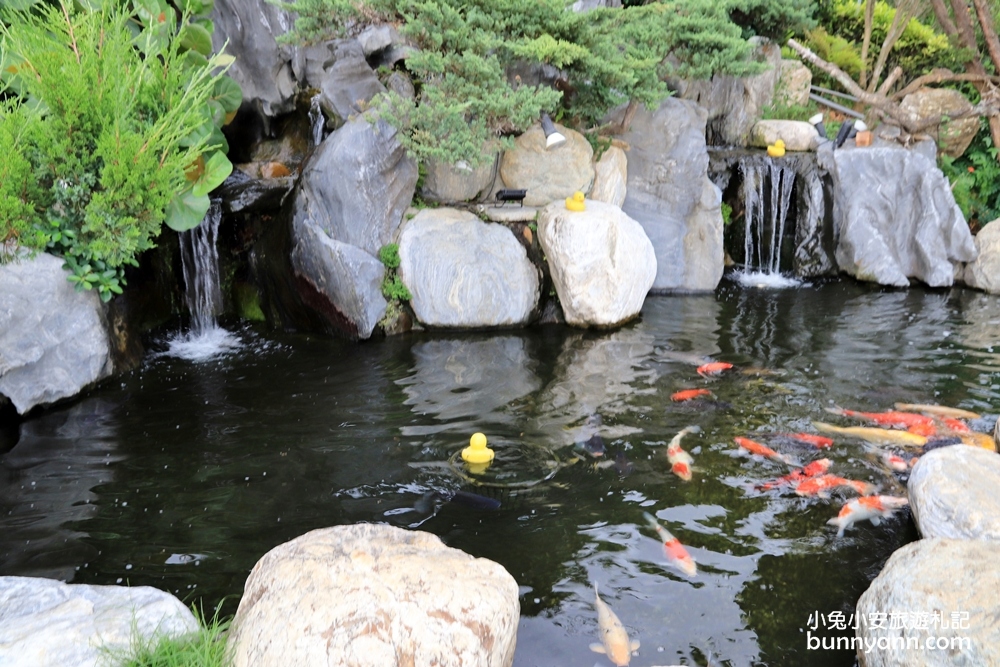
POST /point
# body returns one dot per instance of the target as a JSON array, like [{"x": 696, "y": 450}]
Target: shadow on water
[{"x": 181, "y": 475}]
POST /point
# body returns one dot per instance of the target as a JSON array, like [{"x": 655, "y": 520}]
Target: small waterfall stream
[
  {"x": 316, "y": 120},
  {"x": 203, "y": 295},
  {"x": 767, "y": 197}
]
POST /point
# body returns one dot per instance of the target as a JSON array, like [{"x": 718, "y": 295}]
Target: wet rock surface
[
  {"x": 953, "y": 493},
  {"x": 984, "y": 272}
]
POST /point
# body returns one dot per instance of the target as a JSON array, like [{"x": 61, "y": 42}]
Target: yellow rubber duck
[
  {"x": 777, "y": 149},
  {"x": 575, "y": 203},
  {"x": 477, "y": 454}
]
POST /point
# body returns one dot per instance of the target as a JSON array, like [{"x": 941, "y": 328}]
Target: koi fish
[
  {"x": 675, "y": 552},
  {"x": 817, "y": 441},
  {"x": 900, "y": 419},
  {"x": 896, "y": 462},
  {"x": 713, "y": 368},
  {"x": 937, "y": 410},
  {"x": 874, "y": 508},
  {"x": 979, "y": 440},
  {"x": 681, "y": 461},
  {"x": 814, "y": 469},
  {"x": 614, "y": 639},
  {"x": 689, "y": 394},
  {"x": 758, "y": 449},
  {"x": 822, "y": 485},
  {"x": 874, "y": 435}
]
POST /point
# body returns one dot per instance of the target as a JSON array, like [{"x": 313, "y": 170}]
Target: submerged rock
[
  {"x": 375, "y": 595},
  {"x": 984, "y": 272},
  {"x": 953, "y": 493},
  {"x": 601, "y": 261},
  {"x": 671, "y": 196},
  {"x": 895, "y": 216},
  {"x": 46, "y": 623},
  {"x": 548, "y": 175},
  {"x": 951, "y": 586},
  {"x": 53, "y": 339}
]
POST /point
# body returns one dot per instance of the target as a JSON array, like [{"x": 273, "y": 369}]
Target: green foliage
[
  {"x": 389, "y": 255},
  {"x": 835, "y": 49},
  {"x": 107, "y": 124},
  {"x": 465, "y": 104},
  {"x": 206, "y": 648},
  {"x": 727, "y": 214},
  {"x": 775, "y": 19},
  {"x": 393, "y": 289},
  {"x": 781, "y": 111},
  {"x": 975, "y": 178}
]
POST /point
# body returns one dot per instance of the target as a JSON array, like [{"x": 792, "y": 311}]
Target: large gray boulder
[
  {"x": 953, "y": 493},
  {"x": 895, "y": 216},
  {"x": 548, "y": 175},
  {"x": 611, "y": 177},
  {"x": 348, "y": 83},
  {"x": 456, "y": 182},
  {"x": 671, "y": 196},
  {"x": 984, "y": 272},
  {"x": 794, "y": 82},
  {"x": 53, "y": 339},
  {"x": 463, "y": 272},
  {"x": 601, "y": 261},
  {"x": 349, "y": 203},
  {"x": 937, "y": 590},
  {"x": 263, "y": 67},
  {"x": 46, "y": 623},
  {"x": 374, "y": 595}
]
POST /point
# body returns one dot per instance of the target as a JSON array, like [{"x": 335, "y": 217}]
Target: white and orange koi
[
  {"x": 675, "y": 552},
  {"x": 758, "y": 449},
  {"x": 822, "y": 486},
  {"x": 874, "y": 508},
  {"x": 614, "y": 639},
  {"x": 680, "y": 461}
]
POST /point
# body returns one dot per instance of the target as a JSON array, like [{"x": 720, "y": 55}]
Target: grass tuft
[{"x": 205, "y": 648}]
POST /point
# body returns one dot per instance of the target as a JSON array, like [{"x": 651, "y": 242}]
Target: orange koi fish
[
  {"x": 874, "y": 508},
  {"x": 681, "y": 461},
  {"x": 822, "y": 485},
  {"x": 896, "y": 462},
  {"x": 813, "y": 469},
  {"x": 714, "y": 368},
  {"x": 675, "y": 552},
  {"x": 897, "y": 419},
  {"x": 688, "y": 394},
  {"x": 758, "y": 449},
  {"x": 817, "y": 441}
]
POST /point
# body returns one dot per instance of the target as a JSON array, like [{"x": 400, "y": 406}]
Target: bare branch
[
  {"x": 890, "y": 80},
  {"x": 942, "y": 76},
  {"x": 866, "y": 41},
  {"x": 838, "y": 74},
  {"x": 989, "y": 32},
  {"x": 943, "y": 19}
]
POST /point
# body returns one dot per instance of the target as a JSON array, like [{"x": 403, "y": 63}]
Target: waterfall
[
  {"x": 767, "y": 197},
  {"x": 203, "y": 295},
  {"x": 316, "y": 119}
]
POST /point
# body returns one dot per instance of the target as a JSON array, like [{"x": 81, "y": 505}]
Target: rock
[
  {"x": 507, "y": 213},
  {"x": 610, "y": 177},
  {"x": 456, "y": 183},
  {"x": 956, "y": 580},
  {"x": 376, "y": 38},
  {"x": 262, "y": 67},
  {"x": 374, "y": 595},
  {"x": 954, "y": 136},
  {"x": 401, "y": 84},
  {"x": 895, "y": 216},
  {"x": 53, "y": 339},
  {"x": 463, "y": 272},
  {"x": 984, "y": 272},
  {"x": 587, "y": 5},
  {"x": 734, "y": 104},
  {"x": 953, "y": 493},
  {"x": 349, "y": 84},
  {"x": 671, "y": 196},
  {"x": 798, "y": 135},
  {"x": 794, "y": 81},
  {"x": 548, "y": 175},
  {"x": 46, "y": 623},
  {"x": 601, "y": 261}
]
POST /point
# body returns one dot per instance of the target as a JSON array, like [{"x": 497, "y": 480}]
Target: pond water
[{"x": 181, "y": 475}]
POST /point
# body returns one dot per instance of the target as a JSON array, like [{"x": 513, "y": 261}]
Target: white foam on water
[
  {"x": 203, "y": 345},
  {"x": 764, "y": 280}
]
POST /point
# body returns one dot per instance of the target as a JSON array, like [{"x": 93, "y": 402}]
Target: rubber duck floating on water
[
  {"x": 575, "y": 203},
  {"x": 777, "y": 149},
  {"x": 477, "y": 454}
]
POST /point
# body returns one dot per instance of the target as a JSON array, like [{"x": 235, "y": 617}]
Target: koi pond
[{"x": 182, "y": 474}]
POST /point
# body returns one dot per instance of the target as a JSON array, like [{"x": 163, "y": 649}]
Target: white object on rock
[
  {"x": 601, "y": 260},
  {"x": 374, "y": 595},
  {"x": 46, "y": 623}
]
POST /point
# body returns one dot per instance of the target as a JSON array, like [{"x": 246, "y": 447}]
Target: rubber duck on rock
[
  {"x": 777, "y": 149},
  {"x": 575, "y": 203}
]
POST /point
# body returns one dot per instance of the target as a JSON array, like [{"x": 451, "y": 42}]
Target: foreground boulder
[
  {"x": 984, "y": 272},
  {"x": 374, "y": 595},
  {"x": 46, "y": 623},
  {"x": 895, "y": 216},
  {"x": 53, "y": 340},
  {"x": 953, "y": 493},
  {"x": 463, "y": 272},
  {"x": 671, "y": 196},
  {"x": 548, "y": 174},
  {"x": 951, "y": 586},
  {"x": 602, "y": 263},
  {"x": 611, "y": 177}
]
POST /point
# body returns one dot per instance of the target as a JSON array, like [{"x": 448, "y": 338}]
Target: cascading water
[
  {"x": 200, "y": 263},
  {"x": 316, "y": 120},
  {"x": 767, "y": 196}
]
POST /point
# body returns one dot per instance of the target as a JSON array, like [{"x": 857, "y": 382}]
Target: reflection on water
[{"x": 181, "y": 475}]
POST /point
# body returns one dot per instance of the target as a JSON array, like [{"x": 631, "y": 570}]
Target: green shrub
[
  {"x": 393, "y": 289},
  {"x": 389, "y": 255},
  {"x": 205, "y": 648},
  {"x": 975, "y": 178}
]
